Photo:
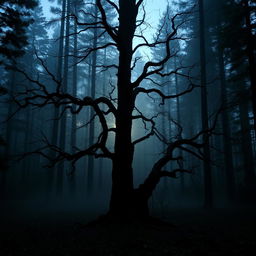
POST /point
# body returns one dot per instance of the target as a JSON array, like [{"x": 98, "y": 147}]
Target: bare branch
[
  {"x": 160, "y": 64},
  {"x": 111, "y": 31},
  {"x": 113, "y": 5},
  {"x": 161, "y": 94}
]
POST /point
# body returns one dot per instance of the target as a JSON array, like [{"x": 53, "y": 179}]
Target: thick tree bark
[
  {"x": 122, "y": 202},
  {"x": 204, "y": 113}
]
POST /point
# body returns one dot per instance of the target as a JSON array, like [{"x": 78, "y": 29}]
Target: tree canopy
[{"x": 15, "y": 17}]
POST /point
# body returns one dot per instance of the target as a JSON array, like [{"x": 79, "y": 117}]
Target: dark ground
[{"x": 195, "y": 232}]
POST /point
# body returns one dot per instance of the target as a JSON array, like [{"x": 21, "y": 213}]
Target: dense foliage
[{"x": 15, "y": 17}]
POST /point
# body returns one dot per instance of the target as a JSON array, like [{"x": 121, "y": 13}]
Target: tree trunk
[
  {"x": 90, "y": 169},
  {"x": 249, "y": 175},
  {"x": 72, "y": 179},
  {"x": 251, "y": 58},
  {"x": 122, "y": 196},
  {"x": 10, "y": 125},
  {"x": 104, "y": 95},
  {"x": 64, "y": 90},
  {"x": 74, "y": 86},
  {"x": 182, "y": 180},
  {"x": 204, "y": 112},
  {"x": 55, "y": 130},
  {"x": 228, "y": 157},
  {"x": 87, "y": 114},
  {"x": 26, "y": 167}
]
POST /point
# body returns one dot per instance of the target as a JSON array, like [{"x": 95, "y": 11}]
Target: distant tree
[
  {"x": 90, "y": 168},
  {"x": 64, "y": 88},
  {"x": 15, "y": 17},
  {"x": 55, "y": 135},
  {"x": 3, "y": 160},
  {"x": 216, "y": 25},
  {"x": 237, "y": 23},
  {"x": 204, "y": 108}
]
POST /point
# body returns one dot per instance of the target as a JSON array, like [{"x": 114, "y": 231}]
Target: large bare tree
[{"x": 126, "y": 200}]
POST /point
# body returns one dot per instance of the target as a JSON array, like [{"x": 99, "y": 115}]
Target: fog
[{"x": 127, "y": 110}]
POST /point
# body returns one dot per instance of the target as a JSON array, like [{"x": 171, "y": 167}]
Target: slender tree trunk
[
  {"x": 251, "y": 58},
  {"x": 204, "y": 112},
  {"x": 182, "y": 182},
  {"x": 9, "y": 130},
  {"x": 228, "y": 157},
  {"x": 170, "y": 123},
  {"x": 90, "y": 169},
  {"x": 55, "y": 129},
  {"x": 74, "y": 87},
  {"x": 74, "y": 92},
  {"x": 87, "y": 113},
  {"x": 104, "y": 94},
  {"x": 28, "y": 134},
  {"x": 249, "y": 175},
  {"x": 9, "y": 133},
  {"x": 163, "y": 195},
  {"x": 28, "y": 131},
  {"x": 63, "y": 126}
]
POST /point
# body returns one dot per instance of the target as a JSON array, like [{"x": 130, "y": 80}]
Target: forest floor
[{"x": 194, "y": 232}]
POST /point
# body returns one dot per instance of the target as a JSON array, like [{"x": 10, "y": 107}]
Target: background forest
[{"x": 66, "y": 106}]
